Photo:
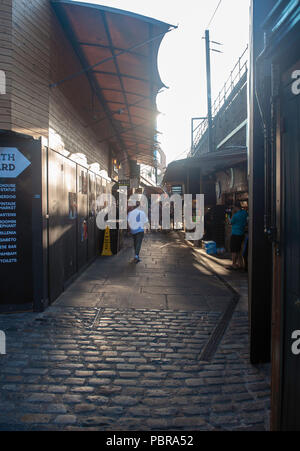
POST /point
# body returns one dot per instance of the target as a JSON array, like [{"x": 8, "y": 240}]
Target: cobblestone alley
[{"x": 122, "y": 349}]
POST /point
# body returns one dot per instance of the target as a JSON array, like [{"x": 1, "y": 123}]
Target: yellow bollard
[{"x": 106, "y": 251}]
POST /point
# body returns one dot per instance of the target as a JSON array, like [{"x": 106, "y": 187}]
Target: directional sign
[{"x": 12, "y": 162}]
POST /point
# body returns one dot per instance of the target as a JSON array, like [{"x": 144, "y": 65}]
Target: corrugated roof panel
[{"x": 118, "y": 51}]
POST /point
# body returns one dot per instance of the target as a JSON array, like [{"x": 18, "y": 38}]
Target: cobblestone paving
[{"x": 118, "y": 369}]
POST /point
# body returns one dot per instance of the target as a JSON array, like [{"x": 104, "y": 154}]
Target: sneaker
[{"x": 137, "y": 260}]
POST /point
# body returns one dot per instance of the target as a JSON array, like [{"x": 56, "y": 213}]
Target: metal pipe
[
  {"x": 267, "y": 194},
  {"x": 209, "y": 102}
]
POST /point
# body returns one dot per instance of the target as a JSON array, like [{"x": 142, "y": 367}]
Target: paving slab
[
  {"x": 198, "y": 303},
  {"x": 78, "y": 299}
]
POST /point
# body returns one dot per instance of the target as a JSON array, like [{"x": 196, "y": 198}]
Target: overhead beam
[
  {"x": 128, "y": 92},
  {"x": 132, "y": 77},
  {"x": 119, "y": 49},
  {"x": 106, "y": 60},
  {"x": 121, "y": 132},
  {"x": 234, "y": 132},
  {"x": 113, "y": 52},
  {"x": 90, "y": 77}
]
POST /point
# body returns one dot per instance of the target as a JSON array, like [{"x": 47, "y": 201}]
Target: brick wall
[
  {"x": 30, "y": 70},
  {"x": 231, "y": 116}
]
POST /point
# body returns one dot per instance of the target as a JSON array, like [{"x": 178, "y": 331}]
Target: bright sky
[{"x": 182, "y": 59}]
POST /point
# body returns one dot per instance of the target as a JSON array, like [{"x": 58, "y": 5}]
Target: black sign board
[
  {"x": 16, "y": 206},
  {"x": 124, "y": 183}
]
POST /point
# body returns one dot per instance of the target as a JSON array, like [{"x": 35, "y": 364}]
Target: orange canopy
[{"x": 118, "y": 53}]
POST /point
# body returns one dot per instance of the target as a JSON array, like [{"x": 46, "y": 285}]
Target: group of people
[{"x": 137, "y": 220}]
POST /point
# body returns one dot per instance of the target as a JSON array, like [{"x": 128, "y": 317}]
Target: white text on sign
[
  {"x": 12, "y": 162},
  {"x": 296, "y": 344}
]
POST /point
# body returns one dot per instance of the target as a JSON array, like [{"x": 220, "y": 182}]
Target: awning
[
  {"x": 118, "y": 53},
  {"x": 208, "y": 163},
  {"x": 149, "y": 190}
]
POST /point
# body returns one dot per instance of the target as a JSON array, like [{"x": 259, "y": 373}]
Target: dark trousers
[{"x": 138, "y": 239}]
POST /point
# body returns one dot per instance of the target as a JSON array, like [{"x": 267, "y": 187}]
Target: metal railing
[{"x": 236, "y": 75}]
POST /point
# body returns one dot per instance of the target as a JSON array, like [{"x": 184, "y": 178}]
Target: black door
[
  {"x": 291, "y": 245},
  {"x": 69, "y": 229},
  {"x": 62, "y": 191},
  {"x": 92, "y": 217},
  {"x": 56, "y": 224},
  {"x": 82, "y": 235}
]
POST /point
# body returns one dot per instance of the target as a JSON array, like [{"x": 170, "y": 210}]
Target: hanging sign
[{"x": 124, "y": 183}]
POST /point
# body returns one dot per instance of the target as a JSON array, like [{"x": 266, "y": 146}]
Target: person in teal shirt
[{"x": 239, "y": 222}]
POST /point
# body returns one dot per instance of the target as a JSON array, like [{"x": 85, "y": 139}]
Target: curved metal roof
[{"x": 118, "y": 53}]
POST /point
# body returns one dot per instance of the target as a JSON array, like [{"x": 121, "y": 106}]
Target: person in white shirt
[{"x": 137, "y": 219}]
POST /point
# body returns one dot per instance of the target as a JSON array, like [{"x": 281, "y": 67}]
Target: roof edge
[{"x": 113, "y": 11}]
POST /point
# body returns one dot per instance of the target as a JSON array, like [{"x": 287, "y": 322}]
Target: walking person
[
  {"x": 239, "y": 223},
  {"x": 137, "y": 219}
]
